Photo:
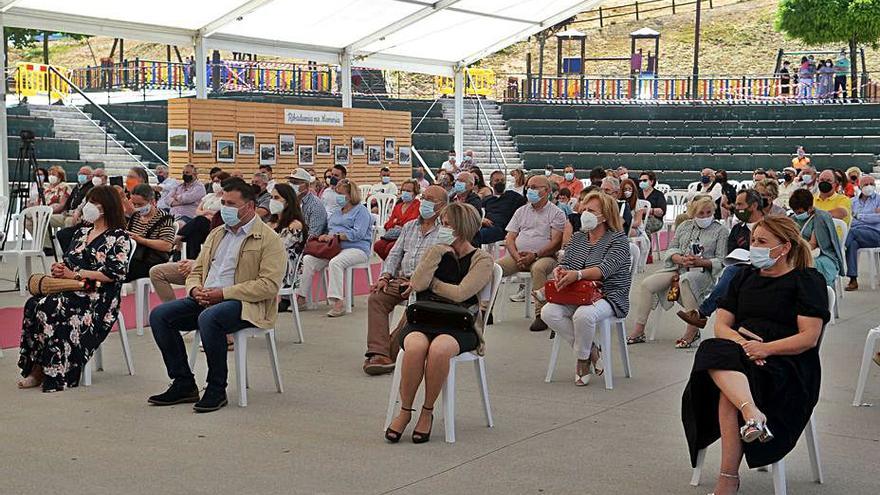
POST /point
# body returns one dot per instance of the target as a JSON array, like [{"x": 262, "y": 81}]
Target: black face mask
[
  {"x": 788, "y": 177},
  {"x": 187, "y": 178},
  {"x": 853, "y": 179},
  {"x": 499, "y": 187},
  {"x": 160, "y": 178},
  {"x": 721, "y": 179},
  {"x": 825, "y": 187},
  {"x": 334, "y": 181}
]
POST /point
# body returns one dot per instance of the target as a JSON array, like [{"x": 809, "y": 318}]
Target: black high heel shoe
[
  {"x": 394, "y": 436},
  {"x": 419, "y": 437}
]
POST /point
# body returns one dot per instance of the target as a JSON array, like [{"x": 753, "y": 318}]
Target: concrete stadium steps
[
  {"x": 701, "y": 144},
  {"x": 477, "y": 137},
  {"x": 791, "y": 112},
  {"x": 41, "y": 126},
  {"x": 707, "y": 128}
]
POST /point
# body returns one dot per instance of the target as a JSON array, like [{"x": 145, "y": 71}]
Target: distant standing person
[
  {"x": 826, "y": 79},
  {"x": 805, "y": 78},
  {"x": 785, "y": 79},
  {"x": 841, "y": 71}
]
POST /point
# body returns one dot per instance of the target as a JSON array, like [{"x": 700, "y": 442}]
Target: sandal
[
  {"x": 638, "y": 339},
  {"x": 687, "y": 344},
  {"x": 754, "y": 429},
  {"x": 394, "y": 436},
  {"x": 582, "y": 380},
  {"x": 418, "y": 436},
  {"x": 731, "y": 476}
]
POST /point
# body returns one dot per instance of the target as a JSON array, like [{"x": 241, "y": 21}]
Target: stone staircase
[
  {"x": 479, "y": 139},
  {"x": 94, "y": 146}
]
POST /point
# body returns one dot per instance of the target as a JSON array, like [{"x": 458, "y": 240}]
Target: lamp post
[{"x": 695, "y": 91}]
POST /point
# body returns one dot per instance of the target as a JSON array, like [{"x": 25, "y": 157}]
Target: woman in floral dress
[
  {"x": 288, "y": 221},
  {"x": 60, "y": 332}
]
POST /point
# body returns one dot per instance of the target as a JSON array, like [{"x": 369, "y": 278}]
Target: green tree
[
  {"x": 816, "y": 22},
  {"x": 26, "y": 38}
]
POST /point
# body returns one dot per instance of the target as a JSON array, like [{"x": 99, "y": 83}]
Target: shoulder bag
[
  {"x": 323, "y": 249},
  {"x": 436, "y": 317},
  {"x": 580, "y": 293}
]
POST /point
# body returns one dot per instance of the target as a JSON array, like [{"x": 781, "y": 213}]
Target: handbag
[
  {"x": 40, "y": 284},
  {"x": 436, "y": 317},
  {"x": 580, "y": 293},
  {"x": 145, "y": 255},
  {"x": 674, "y": 291},
  {"x": 323, "y": 249},
  {"x": 653, "y": 224},
  {"x": 392, "y": 234}
]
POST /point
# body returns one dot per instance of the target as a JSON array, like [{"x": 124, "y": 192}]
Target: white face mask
[
  {"x": 90, "y": 212},
  {"x": 275, "y": 206},
  {"x": 143, "y": 210},
  {"x": 627, "y": 194},
  {"x": 216, "y": 187},
  {"x": 53, "y": 179},
  {"x": 97, "y": 181},
  {"x": 704, "y": 223},
  {"x": 445, "y": 235},
  {"x": 589, "y": 221},
  {"x": 868, "y": 190}
]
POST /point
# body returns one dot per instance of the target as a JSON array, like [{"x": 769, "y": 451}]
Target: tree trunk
[
  {"x": 854, "y": 69},
  {"x": 46, "y": 47}
]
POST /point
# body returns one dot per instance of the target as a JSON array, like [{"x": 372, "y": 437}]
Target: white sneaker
[{"x": 520, "y": 296}]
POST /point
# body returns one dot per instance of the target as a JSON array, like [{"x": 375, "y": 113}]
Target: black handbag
[{"x": 437, "y": 317}]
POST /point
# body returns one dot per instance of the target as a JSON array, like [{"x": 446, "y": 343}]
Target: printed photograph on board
[
  {"x": 202, "y": 141},
  {"x": 341, "y": 155},
  {"x": 225, "y": 151},
  {"x": 405, "y": 155},
  {"x": 389, "y": 150},
  {"x": 374, "y": 156},
  {"x": 307, "y": 155},
  {"x": 323, "y": 145},
  {"x": 358, "y": 145},
  {"x": 286, "y": 144},
  {"x": 246, "y": 143},
  {"x": 178, "y": 140},
  {"x": 267, "y": 154}
]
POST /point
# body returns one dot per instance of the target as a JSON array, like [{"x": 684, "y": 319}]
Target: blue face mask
[
  {"x": 569, "y": 176},
  {"x": 459, "y": 186},
  {"x": 386, "y": 179},
  {"x": 802, "y": 217},
  {"x": 406, "y": 196},
  {"x": 760, "y": 256},
  {"x": 229, "y": 214},
  {"x": 341, "y": 200},
  {"x": 644, "y": 184},
  {"x": 807, "y": 178},
  {"x": 533, "y": 196},
  {"x": 426, "y": 209},
  {"x": 82, "y": 178},
  {"x": 704, "y": 179}
]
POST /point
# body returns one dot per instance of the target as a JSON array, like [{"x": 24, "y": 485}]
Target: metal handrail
[
  {"x": 489, "y": 125},
  {"x": 424, "y": 116},
  {"x": 415, "y": 153},
  {"x": 110, "y": 117}
]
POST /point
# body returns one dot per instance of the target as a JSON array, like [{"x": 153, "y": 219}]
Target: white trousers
[
  {"x": 345, "y": 258},
  {"x": 577, "y": 324}
]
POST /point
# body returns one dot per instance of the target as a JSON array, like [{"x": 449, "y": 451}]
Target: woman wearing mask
[
  {"x": 654, "y": 219},
  {"x": 61, "y": 331},
  {"x": 55, "y": 189},
  {"x": 287, "y": 220},
  {"x": 628, "y": 191},
  {"x": 817, "y": 228},
  {"x": 152, "y": 230},
  {"x": 600, "y": 251},
  {"x": 519, "y": 181},
  {"x": 693, "y": 262},
  {"x": 826, "y": 79},
  {"x": 351, "y": 224},
  {"x": 769, "y": 191},
  {"x": 853, "y": 174},
  {"x": 724, "y": 204},
  {"x": 755, "y": 385},
  {"x": 480, "y": 187},
  {"x": 41, "y": 180},
  {"x": 406, "y": 209},
  {"x": 451, "y": 272},
  {"x": 196, "y": 230}
]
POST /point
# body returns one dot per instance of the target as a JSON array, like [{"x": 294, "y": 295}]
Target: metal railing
[
  {"x": 493, "y": 142},
  {"x": 424, "y": 165},
  {"x": 638, "y": 10}
]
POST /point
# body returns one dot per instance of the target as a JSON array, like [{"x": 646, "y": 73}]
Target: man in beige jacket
[{"x": 233, "y": 285}]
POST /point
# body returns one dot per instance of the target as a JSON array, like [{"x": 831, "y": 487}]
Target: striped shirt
[
  {"x": 315, "y": 215},
  {"x": 409, "y": 249},
  {"x": 611, "y": 256},
  {"x": 160, "y": 227}
]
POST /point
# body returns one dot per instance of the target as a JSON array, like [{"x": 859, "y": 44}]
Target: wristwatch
[
  {"x": 77, "y": 276},
  {"x": 580, "y": 276}
]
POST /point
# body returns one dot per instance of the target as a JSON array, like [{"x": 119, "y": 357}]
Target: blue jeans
[
  {"x": 169, "y": 319},
  {"x": 710, "y": 304},
  {"x": 858, "y": 238}
]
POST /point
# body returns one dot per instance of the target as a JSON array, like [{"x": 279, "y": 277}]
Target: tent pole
[
  {"x": 4, "y": 153},
  {"x": 459, "y": 113},
  {"x": 200, "y": 61},
  {"x": 345, "y": 79}
]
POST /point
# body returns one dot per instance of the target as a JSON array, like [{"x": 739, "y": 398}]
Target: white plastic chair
[
  {"x": 98, "y": 358},
  {"x": 871, "y": 342},
  {"x": 448, "y": 394},
  {"x": 873, "y": 264},
  {"x": 842, "y": 230},
  {"x": 663, "y": 188},
  {"x": 365, "y": 193},
  {"x": 778, "y": 468},
  {"x": 386, "y": 205},
  {"x": 240, "y": 339},
  {"x": 832, "y": 305},
  {"x": 39, "y": 217},
  {"x": 141, "y": 288},
  {"x": 694, "y": 187},
  {"x": 289, "y": 292}
]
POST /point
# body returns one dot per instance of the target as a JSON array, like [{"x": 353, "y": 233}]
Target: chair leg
[
  {"x": 99, "y": 358},
  {"x": 87, "y": 373},
  {"x": 22, "y": 275},
  {"x": 297, "y": 322},
  {"x": 273, "y": 360},
  {"x": 657, "y": 317},
  {"x": 813, "y": 449},
  {"x": 624, "y": 349},
  {"x": 867, "y": 355},
  {"x": 480, "y": 368},
  {"x": 348, "y": 289},
  {"x": 142, "y": 303},
  {"x": 698, "y": 470},
  {"x": 778, "y": 469},
  {"x": 554, "y": 355},
  {"x": 241, "y": 367},
  {"x": 449, "y": 403},
  {"x": 527, "y": 292},
  {"x": 394, "y": 393},
  {"x": 126, "y": 350},
  {"x": 194, "y": 351},
  {"x": 608, "y": 356}
]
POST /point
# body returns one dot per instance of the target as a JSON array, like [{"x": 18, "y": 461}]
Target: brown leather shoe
[
  {"x": 852, "y": 285},
  {"x": 693, "y": 317},
  {"x": 378, "y": 365}
]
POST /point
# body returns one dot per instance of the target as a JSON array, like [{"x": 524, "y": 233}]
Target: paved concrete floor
[{"x": 324, "y": 434}]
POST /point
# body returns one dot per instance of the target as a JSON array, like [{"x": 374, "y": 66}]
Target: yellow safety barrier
[
  {"x": 33, "y": 79},
  {"x": 478, "y": 82}
]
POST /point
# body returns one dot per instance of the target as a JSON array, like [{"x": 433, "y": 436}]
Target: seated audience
[
  {"x": 693, "y": 262},
  {"x": 463, "y": 191},
  {"x": 865, "y": 229},
  {"x": 184, "y": 200},
  {"x": 260, "y": 183},
  {"x": 596, "y": 176},
  {"x": 65, "y": 218},
  {"x": 611, "y": 187},
  {"x": 499, "y": 208},
  {"x": 724, "y": 205},
  {"x": 843, "y": 185},
  {"x": 480, "y": 187},
  {"x": 419, "y": 176},
  {"x": 288, "y": 222},
  {"x": 165, "y": 187},
  {"x": 153, "y": 231},
  {"x": 55, "y": 190},
  {"x": 328, "y": 195},
  {"x": 571, "y": 182},
  {"x": 769, "y": 191},
  {"x": 225, "y": 293},
  {"x": 854, "y": 175},
  {"x": 563, "y": 201},
  {"x": 455, "y": 272},
  {"x": 313, "y": 211},
  {"x": 449, "y": 165},
  {"x": 599, "y": 251},
  {"x": 755, "y": 385},
  {"x": 519, "y": 181},
  {"x": 709, "y": 185},
  {"x": 828, "y": 199},
  {"x": 197, "y": 229},
  {"x": 817, "y": 228},
  {"x": 61, "y": 331},
  {"x": 406, "y": 209},
  {"x": 534, "y": 235},
  {"x": 415, "y": 239},
  {"x": 654, "y": 219},
  {"x": 808, "y": 179},
  {"x": 41, "y": 180},
  {"x": 444, "y": 180},
  {"x": 628, "y": 192},
  {"x": 788, "y": 186},
  {"x": 351, "y": 224},
  {"x": 385, "y": 185},
  {"x": 758, "y": 175},
  {"x": 270, "y": 182}
]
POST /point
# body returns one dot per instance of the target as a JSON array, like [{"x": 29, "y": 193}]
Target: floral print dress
[
  {"x": 60, "y": 332},
  {"x": 294, "y": 243}
]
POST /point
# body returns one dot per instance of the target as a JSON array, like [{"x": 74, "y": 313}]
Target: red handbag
[
  {"x": 323, "y": 249},
  {"x": 580, "y": 293}
]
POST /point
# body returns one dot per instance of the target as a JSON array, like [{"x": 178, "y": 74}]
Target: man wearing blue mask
[
  {"x": 463, "y": 191},
  {"x": 571, "y": 182},
  {"x": 385, "y": 185},
  {"x": 534, "y": 235},
  {"x": 392, "y": 288},
  {"x": 865, "y": 229},
  {"x": 226, "y": 292},
  {"x": 74, "y": 200},
  {"x": 499, "y": 208},
  {"x": 328, "y": 195}
]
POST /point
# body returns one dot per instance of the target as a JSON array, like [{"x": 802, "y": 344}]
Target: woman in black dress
[
  {"x": 60, "y": 332},
  {"x": 451, "y": 271},
  {"x": 756, "y": 383}
]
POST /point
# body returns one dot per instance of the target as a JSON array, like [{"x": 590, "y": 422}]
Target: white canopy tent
[{"x": 439, "y": 38}]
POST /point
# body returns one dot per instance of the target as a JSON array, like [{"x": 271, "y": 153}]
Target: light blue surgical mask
[
  {"x": 386, "y": 179},
  {"x": 807, "y": 178},
  {"x": 426, "y": 209},
  {"x": 341, "y": 200},
  {"x": 533, "y": 195},
  {"x": 406, "y": 196},
  {"x": 760, "y": 257},
  {"x": 802, "y": 217},
  {"x": 229, "y": 214},
  {"x": 82, "y": 178},
  {"x": 460, "y": 186},
  {"x": 569, "y": 176},
  {"x": 445, "y": 235},
  {"x": 644, "y": 184},
  {"x": 143, "y": 210}
]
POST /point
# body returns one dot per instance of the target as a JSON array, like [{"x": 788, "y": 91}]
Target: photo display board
[{"x": 231, "y": 122}]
